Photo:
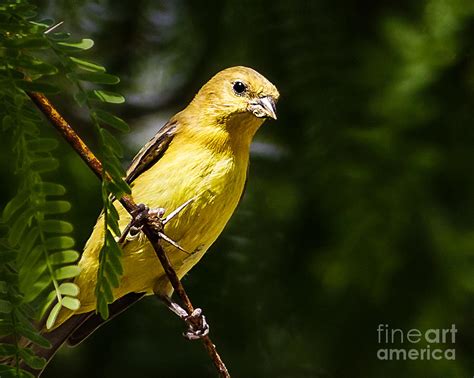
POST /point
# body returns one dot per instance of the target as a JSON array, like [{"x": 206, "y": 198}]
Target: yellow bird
[{"x": 201, "y": 154}]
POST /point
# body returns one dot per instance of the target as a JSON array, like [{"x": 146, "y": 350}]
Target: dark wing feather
[
  {"x": 94, "y": 321},
  {"x": 152, "y": 151}
]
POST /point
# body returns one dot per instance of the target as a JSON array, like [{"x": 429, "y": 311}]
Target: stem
[{"x": 129, "y": 204}]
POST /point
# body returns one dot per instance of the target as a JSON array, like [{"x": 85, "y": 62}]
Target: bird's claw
[
  {"x": 143, "y": 212},
  {"x": 197, "y": 325},
  {"x": 155, "y": 220}
]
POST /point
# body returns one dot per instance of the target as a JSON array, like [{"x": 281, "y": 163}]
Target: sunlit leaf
[
  {"x": 59, "y": 242},
  {"x": 71, "y": 303},
  {"x": 88, "y": 66},
  {"x": 56, "y": 207},
  {"x": 84, "y": 44},
  {"x": 69, "y": 288},
  {"x": 56, "y": 226},
  {"x": 64, "y": 257},
  {"x": 106, "y": 96},
  {"x": 15, "y": 204},
  {"x": 53, "y": 315},
  {"x": 19, "y": 226},
  {"x": 67, "y": 272}
]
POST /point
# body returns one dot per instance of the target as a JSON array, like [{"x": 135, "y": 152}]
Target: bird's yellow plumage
[{"x": 202, "y": 153}]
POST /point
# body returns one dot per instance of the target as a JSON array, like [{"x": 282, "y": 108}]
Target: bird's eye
[{"x": 239, "y": 87}]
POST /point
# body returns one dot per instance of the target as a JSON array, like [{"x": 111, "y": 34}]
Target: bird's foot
[
  {"x": 197, "y": 325},
  {"x": 154, "y": 219},
  {"x": 196, "y": 322}
]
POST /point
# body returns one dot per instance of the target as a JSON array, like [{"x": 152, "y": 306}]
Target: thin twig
[{"x": 129, "y": 204}]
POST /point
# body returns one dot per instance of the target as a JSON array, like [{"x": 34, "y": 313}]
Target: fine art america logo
[{"x": 414, "y": 344}]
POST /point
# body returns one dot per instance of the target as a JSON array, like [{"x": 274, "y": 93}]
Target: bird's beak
[{"x": 264, "y": 107}]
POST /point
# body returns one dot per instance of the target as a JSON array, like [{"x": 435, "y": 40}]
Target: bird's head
[{"x": 239, "y": 93}]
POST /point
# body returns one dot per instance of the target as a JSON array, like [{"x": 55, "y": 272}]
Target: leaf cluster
[{"x": 37, "y": 256}]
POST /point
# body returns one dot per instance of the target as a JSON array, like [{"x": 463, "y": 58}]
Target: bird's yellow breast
[{"x": 214, "y": 179}]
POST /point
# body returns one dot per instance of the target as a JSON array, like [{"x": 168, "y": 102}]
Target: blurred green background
[{"x": 359, "y": 209}]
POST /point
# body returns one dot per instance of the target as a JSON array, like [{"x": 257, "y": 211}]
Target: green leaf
[
  {"x": 84, "y": 44},
  {"x": 69, "y": 288},
  {"x": 56, "y": 207},
  {"x": 98, "y": 78},
  {"x": 3, "y": 287},
  {"x": 65, "y": 272},
  {"x": 44, "y": 164},
  {"x": 64, "y": 257},
  {"x": 71, "y": 303},
  {"x": 111, "y": 120},
  {"x": 5, "y": 306},
  {"x": 123, "y": 186},
  {"x": 115, "y": 263},
  {"x": 111, "y": 142},
  {"x": 15, "y": 204},
  {"x": 113, "y": 167},
  {"x": 111, "y": 274},
  {"x": 33, "y": 86},
  {"x": 26, "y": 257},
  {"x": 36, "y": 286},
  {"x": 26, "y": 245},
  {"x": 37, "y": 66},
  {"x": 46, "y": 305},
  {"x": 107, "y": 291},
  {"x": 60, "y": 36},
  {"x": 31, "y": 359},
  {"x": 103, "y": 307},
  {"x": 56, "y": 226},
  {"x": 7, "y": 350},
  {"x": 50, "y": 189},
  {"x": 53, "y": 315},
  {"x": 33, "y": 336},
  {"x": 59, "y": 242},
  {"x": 106, "y": 96},
  {"x": 29, "y": 43},
  {"x": 19, "y": 226},
  {"x": 42, "y": 144},
  {"x": 87, "y": 66}
]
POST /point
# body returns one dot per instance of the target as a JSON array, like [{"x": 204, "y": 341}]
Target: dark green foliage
[{"x": 36, "y": 255}]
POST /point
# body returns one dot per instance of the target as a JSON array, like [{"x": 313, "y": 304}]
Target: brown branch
[{"x": 129, "y": 204}]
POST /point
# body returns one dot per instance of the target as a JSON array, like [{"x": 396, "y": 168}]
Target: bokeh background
[{"x": 359, "y": 209}]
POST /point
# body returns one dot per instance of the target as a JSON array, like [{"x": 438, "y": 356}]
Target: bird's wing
[{"x": 152, "y": 151}]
